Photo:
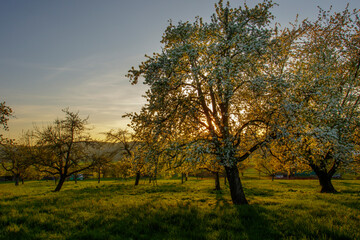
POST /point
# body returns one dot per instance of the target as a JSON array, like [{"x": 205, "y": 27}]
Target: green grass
[{"x": 283, "y": 209}]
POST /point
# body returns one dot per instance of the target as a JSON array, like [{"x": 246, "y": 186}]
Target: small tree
[
  {"x": 212, "y": 166},
  {"x": 62, "y": 148},
  {"x": 15, "y": 158},
  {"x": 103, "y": 155},
  {"x": 127, "y": 148}
]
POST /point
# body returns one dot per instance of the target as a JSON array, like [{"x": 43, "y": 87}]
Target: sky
[{"x": 76, "y": 53}]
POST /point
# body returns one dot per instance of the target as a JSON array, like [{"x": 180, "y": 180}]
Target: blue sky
[{"x": 76, "y": 53}]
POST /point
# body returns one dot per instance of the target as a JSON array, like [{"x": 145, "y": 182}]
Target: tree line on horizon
[{"x": 226, "y": 91}]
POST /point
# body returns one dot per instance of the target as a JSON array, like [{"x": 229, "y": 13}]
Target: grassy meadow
[{"x": 115, "y": 209}]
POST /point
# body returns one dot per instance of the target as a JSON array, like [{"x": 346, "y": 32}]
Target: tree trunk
[
  {"x": 324, "y": 179},
  {"x": 137, "y": 178},
  {"x": 236, "y": 189},
  {"x": 17, "y": 178},
  {"x": 225, "y": 182},
  {"x": 325, "y": 182},
  {"x": 326, "y": 185},
  {"x": 60, "y": 183},
  {"x": 22, "y": 180},
  {"x": 182, "y": 178},
  {"x": 99, "y": 175},
  {"x": 186, "y": 177},
  {"x": 217, "y": 181}
]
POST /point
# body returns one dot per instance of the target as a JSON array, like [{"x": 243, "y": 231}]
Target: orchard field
[{"x": 116, "y": 209}]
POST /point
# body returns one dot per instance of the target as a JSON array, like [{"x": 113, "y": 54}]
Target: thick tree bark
[
  {"x": 324, "y": 180},
  {"x": 137, "y": 178},
  {"x": 60, "y": 183},
  {"x": 217, "y": 181},
  {"x": 236, "y": 189},
  {"x": 326, "y": 185}
]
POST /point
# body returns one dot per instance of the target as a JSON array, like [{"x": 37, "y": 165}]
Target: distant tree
[
  {"x": 277, "y": 159},
  {"x": 211, "y": 165},
  {"x": 122, "y": 168},
  {"x": 103, "y": 155},
  {"x": 63, "y": 148},
  {"x": 215, "y": 84},
  {"x": 15, "y": 159},
  {"x": 127, "y": 148}
]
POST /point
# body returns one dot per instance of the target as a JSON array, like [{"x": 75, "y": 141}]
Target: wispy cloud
[{"x": 100, "y": 91}]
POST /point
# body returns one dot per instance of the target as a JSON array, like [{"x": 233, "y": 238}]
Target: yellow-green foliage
[{"x": 283, "y": 209}]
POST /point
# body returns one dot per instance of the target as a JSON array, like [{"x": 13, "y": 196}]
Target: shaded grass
[{"x": 117, "y": 210}]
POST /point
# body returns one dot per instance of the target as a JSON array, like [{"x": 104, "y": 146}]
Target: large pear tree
[
  {"x": 213, "y": 87},
  {"x": 322, "y": 109}
]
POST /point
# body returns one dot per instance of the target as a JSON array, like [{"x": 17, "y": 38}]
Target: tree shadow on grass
[
  {"x": 153, "y": 220},
  {"x": 182, "y": 221},
  {"x": 353, "y": 203},
  {"x": 259, "y": 192},
  {"x": 121, "y": 189},
  {"x": 308, "y": 226}
]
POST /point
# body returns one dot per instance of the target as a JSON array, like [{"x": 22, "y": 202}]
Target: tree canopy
[
  {"x": 213, "y": 86},
  {"x": 234, "y": 85}
]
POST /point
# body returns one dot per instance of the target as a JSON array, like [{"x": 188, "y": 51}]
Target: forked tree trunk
[
  {"x": 236, "y": 189},
  {"x": 324, "y": 180},
  {"x": 137, "y": 178},
  {"x": 217, "y": 181},
  {"x": 60, "y": 183}
]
